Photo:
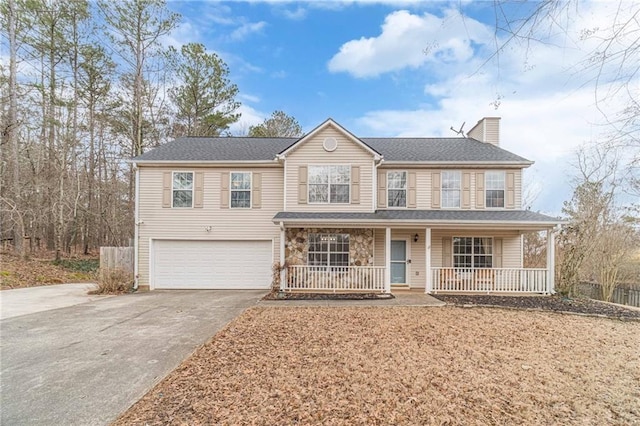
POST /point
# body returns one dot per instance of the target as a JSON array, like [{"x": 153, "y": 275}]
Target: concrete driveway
[{"x": 85, "y": 364}]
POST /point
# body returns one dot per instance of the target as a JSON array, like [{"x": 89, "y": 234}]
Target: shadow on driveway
[{"x": 86, "y": 364}]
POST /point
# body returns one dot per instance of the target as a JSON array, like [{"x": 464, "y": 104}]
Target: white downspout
[
  {"x": 136, "y": 226},
  {"x": 428, "y": 288}
]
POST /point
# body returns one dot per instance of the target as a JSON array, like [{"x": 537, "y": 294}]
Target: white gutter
[
  {"x": 461, "y": 164},
  {"x": 203, "y": 162},
  {"x": 136, "y": 225}
]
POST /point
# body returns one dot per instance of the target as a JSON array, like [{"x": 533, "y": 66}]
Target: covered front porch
[{"x": 393, "y": 258}]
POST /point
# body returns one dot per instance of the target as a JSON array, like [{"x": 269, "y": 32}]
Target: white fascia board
[
  {"x": 262, "y": 163},
  {"x": 527, "y": 225},
  {"x": 459, "y": 165}
]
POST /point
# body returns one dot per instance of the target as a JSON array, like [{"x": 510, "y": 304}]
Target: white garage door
[{"x": 211, "y": 264}]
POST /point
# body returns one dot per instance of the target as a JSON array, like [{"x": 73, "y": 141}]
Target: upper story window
[
  {"x": 451, "y": 189},
  {"x": 397, "y": 189},
  {"x": 329, "y": 184},
  {"x": 494, "y": 189},
  {"x": 240, "y": 190},
  {"x": 182, "y": 189},
  {"x": 472, "y": 252}
]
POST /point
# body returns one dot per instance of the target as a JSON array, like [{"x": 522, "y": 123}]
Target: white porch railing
[
  {"x": 498, "y": 280},
  {"x": 335, "y": 278}
]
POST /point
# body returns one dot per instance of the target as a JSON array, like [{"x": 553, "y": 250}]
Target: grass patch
[{"x": 78, "y": 265}]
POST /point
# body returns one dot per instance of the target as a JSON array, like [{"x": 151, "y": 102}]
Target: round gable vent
[{"x": 330, "y": 144}]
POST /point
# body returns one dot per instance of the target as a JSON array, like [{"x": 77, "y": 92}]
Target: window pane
[
  {"x": 450, "y": 198},
  {"x": 397, "y": 180},
  {"x": 183, "y": 180},
  {"x": 339, "y": 193},
  {"x": 240, "y": 180},
  {"x": 397, "y": 198},
  {"x": 398, "y": 250},
  {"x": 451, "y": 180},
  {"x": 182, "y": 198},
  {"x": 241, "y": 199},
  {"x": 494, "y": 180},
  {"x": 340, "y": 174},
  {"x": 318, "y": 193},
  {"x": 398, "y": 273},
  {"x": 495, "y": 198},
  {"x": 318, "y": 174}
]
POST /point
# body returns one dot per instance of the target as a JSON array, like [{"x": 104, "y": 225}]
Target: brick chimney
[{"x": 486, "y": 130}]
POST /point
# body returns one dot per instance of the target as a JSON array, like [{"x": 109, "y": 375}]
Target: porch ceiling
[{"x": 497, "y": 219}]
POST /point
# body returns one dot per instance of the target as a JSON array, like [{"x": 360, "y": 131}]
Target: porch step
[{"x": 400, "y": 287}]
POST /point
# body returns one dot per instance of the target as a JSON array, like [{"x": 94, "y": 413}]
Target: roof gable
[{"x": 326, "y": 124}]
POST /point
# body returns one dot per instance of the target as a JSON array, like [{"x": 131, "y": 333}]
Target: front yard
[{"x": 404, "y": 366}]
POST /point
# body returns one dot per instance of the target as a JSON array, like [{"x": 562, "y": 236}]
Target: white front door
[{"x": 399, "y": 262}]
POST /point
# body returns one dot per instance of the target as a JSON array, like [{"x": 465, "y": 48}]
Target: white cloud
[
  {"x": 408, "y": 41},
  {"x": 246, "y": 29},
  {"x": 279, "y": 74},
  {"x": 249, "y": 117},
  {"x": 245, "y": 97},
  {"x": 297, "y": 14}
]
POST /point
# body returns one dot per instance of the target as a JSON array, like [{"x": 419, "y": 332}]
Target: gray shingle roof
[
  {"x": 439, "y": 149},
  {"x": 265, "y": 149},
  {"x": 218, "y": 149},
  {"x": 488, "y": 216}
]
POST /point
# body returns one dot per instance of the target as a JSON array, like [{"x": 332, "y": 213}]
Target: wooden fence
[
  {"x": 116, "y": 258},
  {"x": 623, "y": 294}
]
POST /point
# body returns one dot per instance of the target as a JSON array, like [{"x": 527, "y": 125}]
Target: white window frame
[
  {"x": 405, "y": 189},
  {"x": 487, "y": 189},
  {"x": 310, "y": 166},
  {"x": 328, "y": 252},
  {"x": 473, "y": 254},
  {"x": 173, "y": 189},
  {"x": 231, "y": 190},
  {"x": 442, "y": 189}
]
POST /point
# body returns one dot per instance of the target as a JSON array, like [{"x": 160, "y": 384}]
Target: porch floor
[{"x": 402, "y": 298}]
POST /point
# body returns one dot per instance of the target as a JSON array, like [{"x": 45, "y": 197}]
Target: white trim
[
  {"x": 459, "y": 207},
  {"x": 244, "y": 190},
  {"x": 136, "y": 226},
  {"x": 407, "y": 259},
  {"x": 350, "y": 165},
  {"x": 284, "y": 182},
  {"x": 493, "y": 245},
  {"x": 504, "y": 190},
  {"x": 382, "y": 223},
  {"x": 193, "y": 187},
  {"x": 387, "y": 260},
  {"x": 374, "y": 181},
  {"x": 406, "y": 190},
  {"x": 461, "y": 164},
  {"x": 283, "y": 270},
  {"x": 428, "y": 287},
  {"x": 183, "y": 163}
]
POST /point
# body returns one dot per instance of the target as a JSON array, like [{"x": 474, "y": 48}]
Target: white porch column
[
  {"x": 551, "y": 261},
  {"x": 428, "y": 288},
  {"x": 283, "y": 271},
  {"x": 387, "y": 261}
]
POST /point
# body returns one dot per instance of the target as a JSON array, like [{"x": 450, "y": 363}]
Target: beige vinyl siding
[
  {"x": 190, "y": 223},
  {"x": 424, "y": 189},
  {"x": 311, "y": 152}
]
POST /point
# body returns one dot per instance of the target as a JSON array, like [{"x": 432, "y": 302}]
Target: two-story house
[{"x": 341, "y": 213}]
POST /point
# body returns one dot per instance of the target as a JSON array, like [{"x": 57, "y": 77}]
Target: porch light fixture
[{"x": 415, "y": 238}]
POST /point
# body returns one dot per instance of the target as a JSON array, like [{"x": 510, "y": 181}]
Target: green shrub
[{"x": 78, "y": 265}]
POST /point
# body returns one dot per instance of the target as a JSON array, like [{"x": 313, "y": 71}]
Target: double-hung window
[
  {"x": 397, "y": 189},
  {"x": 240, "y": 190},
  {"x": 494, "y": 189},
  {"x": 451, "y": 189},
  {"x": 182, "y": 189},
  {"x": 472, "y": 252},
  {"x": 328, "y": 250},
  {"x": 329, "y": 184}
]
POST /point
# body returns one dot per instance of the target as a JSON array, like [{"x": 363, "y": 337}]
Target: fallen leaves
[{"x": 378, "y": 365}]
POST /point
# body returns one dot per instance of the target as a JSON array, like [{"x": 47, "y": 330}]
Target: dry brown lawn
[{"x": 342, "y": 366}]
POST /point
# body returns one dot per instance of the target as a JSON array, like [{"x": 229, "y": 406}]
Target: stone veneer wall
[{"x": 360, "y": 244}]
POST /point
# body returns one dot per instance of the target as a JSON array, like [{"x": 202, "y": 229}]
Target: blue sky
[{"x": 403, "y": 68}]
